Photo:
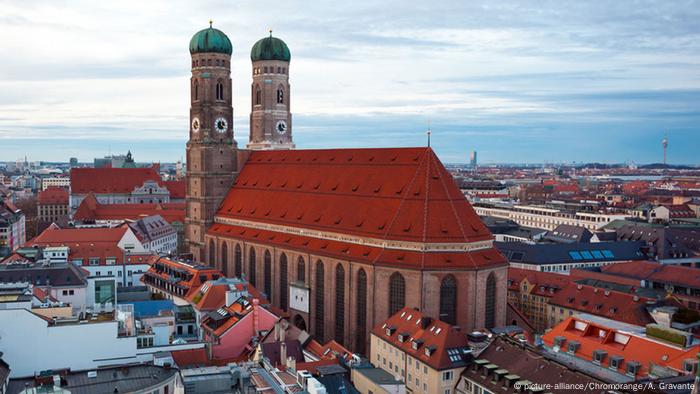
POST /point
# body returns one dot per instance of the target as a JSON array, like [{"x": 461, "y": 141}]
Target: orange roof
[
  {"x": 611, "y": 304},
  {"x": 53, "y": 196},
  {"x": 552, "y": 282},
  {"x": 390, "y": 194},
  {"x": 630, "y": 343},
  {"x": 409, "y": 325},
  {"x": 90, "y": 210},
  {"x": 110, "y": 180},
  {"x": 198, "y": 274},
  {"x": 86, "y": 243}
]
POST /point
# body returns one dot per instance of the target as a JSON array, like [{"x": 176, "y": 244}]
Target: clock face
[
  {"x": 281, "y": 127},
  {"x": 195, "y": 124},
  {"x": 221, "y": 125}
]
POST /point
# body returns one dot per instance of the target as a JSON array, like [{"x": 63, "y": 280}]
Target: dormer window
[
  {"x": 633, "y": 368},
  {"x": 429, "y": 350},
  {"x": 599, "y": 356},
  {"x": 416, "y": 344},
  {"x": 615, "y": 362}
]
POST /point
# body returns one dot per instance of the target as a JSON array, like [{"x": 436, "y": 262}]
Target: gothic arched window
[
  {"x": 219, "y": 91},
  {"x": 268, "y": 274},
  {"x": 448, "y": 300},
  {"x": 251, "y": 266},
  {"x": 238, "y": 260},
  {"x": 258, "y": 95},
  {"x": 490, "y": 307},
  {"x": 212, "y": 253},
  {"x": 397, "y": 293},
  {"x": 320, "y": 322},
  {"x": 284, "y": 292},
  {"x": 196, "y": 90},
  {"x": 224, "y": 259},
  {"x": 361, "y": 305},
  {"x": 280, "y": 95},
  {"x": 301, "y": 270},
  {"x": 339, "y": 304}
]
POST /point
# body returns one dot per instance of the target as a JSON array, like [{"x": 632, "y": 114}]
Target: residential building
[
  {"x": 546, "y": 217},
  {"x": 12, "y": 228},
  {"x": 428, "y": 355},
  {"x": 562, "y": 257},
  {"x": 136, "y": 379},
  {"x": 178, "y": 280},
  {"x": 52, "y": 206},
  {"x": 62, "y": 182},
  {"x": 116, "y": 252},
  {"x": 667, "y": 245},
  {"x": 682, "y": 283},
  {"x": 92, "y": 212},
  {"x": 156, "y": 234},
  {"x": 617, "y": 352},
  {"x": 232, "y": 328},
  {"x": 578, "y": 298},
  {"x": 530, "y": 292},
  {"x": 510, "y": 366},
  {"x": 671, "y": 213}
]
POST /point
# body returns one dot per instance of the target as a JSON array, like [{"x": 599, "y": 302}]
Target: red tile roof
[
  {"x": 86, "y": 243},
  {"x": 53, "y": 196},
  {"x": 632, "y": 347},
  {"x": 110, "y": 180},
  {"x": 91, "y": 210},
  {"x": 441, "y": 338},
  {"x": 390, "y": 194},
  {"x": 610, "y": 304},
  {"x": 160, "y": 266},
  {"x": 549, "y": 280},
  {"x": 177, "y": 189}
]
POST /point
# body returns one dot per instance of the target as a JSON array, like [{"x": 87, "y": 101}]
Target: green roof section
[
  {"x": 210, "y": 40},
  {"x": 270, "y": 48}
]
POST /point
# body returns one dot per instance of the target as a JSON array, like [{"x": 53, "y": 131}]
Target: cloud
[{"x": 521, "y": 81}]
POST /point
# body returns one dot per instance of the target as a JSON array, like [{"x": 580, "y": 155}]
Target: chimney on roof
[{"x": 283, "y": 352}]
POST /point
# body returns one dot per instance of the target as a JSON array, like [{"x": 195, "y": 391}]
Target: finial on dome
[
  {"x": 270, "y": 30},
  {"x": 210, "y": 23}
]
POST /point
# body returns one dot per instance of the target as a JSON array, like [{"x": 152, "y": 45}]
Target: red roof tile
[
  {"x": 610, "y": 304},
  {"x": 91, "y": 210},
  {"x": 436, "y": 335},
  {"x": 552, "y": 282},
  {"x": 632, "y": 347},
  {"x": 395, "y": 194},
  {"x": 110, "y": 180},
  {"x": 177, "y": 189},
  {"x": 53, "y": 196}
]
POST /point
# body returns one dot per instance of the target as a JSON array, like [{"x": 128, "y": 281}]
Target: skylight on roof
[
  {"x": 597, "y": 254},
  {"x": 575, "y": 255},
  {"x": 607, "y": 253},
  {"x": 586, "y": 254}
]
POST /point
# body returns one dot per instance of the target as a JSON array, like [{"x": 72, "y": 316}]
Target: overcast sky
[{"x": 528, "y": 81}]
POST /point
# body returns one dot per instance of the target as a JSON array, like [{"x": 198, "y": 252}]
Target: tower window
[
  {"x": 196, "y": 90},
  {"x": 258, "y": 95},
  {"x": 280, "y": 96},
  {"x": 219, "y": 91},
  {"x": 265, "y": 69},
  {"x": 279, "y": 70}
]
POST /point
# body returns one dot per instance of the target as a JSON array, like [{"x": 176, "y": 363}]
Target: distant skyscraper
[
  {"x": 472, "y": 159},
  {"x": 73, "y": 161},
  {"x": 664, "y": 143}
]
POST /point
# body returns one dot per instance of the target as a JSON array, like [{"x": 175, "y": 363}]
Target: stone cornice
[{"x": 359, "y": 240}]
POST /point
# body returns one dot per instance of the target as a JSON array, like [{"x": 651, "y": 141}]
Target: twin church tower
[{"x": 213, "y": 157}]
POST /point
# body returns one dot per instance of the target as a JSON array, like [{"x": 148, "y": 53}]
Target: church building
[{"x": 341, "y": 239}]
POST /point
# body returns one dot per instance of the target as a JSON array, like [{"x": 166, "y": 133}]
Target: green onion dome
[
  {"x": 270, "y": 48},
  {"x": 210, "y": 40}
]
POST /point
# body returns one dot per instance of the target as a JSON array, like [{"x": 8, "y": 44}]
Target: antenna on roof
[{"x": 429, "y": 132}]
